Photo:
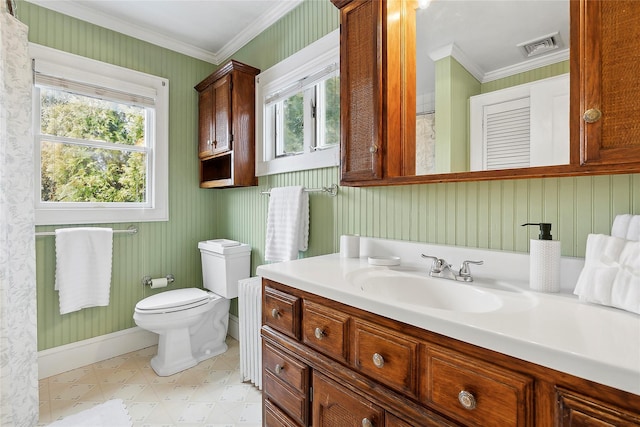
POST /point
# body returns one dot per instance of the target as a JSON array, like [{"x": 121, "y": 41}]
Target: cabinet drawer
[
  {"x": 281, "y": 311},
  {"x": 282, "y": 366},
  {"x": 334, "y": 406},
  {"x": 325, "y": 330},
  {"x": 293, "y": 403},
  {"x": 476, "y": 392},
  {"x": 274, "y": 417},
  {"x": 386, "y": 355}
]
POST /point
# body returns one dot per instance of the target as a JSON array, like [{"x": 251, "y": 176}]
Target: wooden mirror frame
[{"x": 383, "y": 151}]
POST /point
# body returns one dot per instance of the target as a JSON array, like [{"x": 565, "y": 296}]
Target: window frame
[
  {"x": 76, "y": 68},
  {"x": 317, "y": 56}
]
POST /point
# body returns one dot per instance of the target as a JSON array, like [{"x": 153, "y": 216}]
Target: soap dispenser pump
[{"x": 544, "y": 270}]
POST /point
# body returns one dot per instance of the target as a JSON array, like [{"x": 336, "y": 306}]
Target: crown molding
[
  {"x": 528, "y": 65},
  {"x": 483, "y": 77},
  {"x": 84, "y": 13},
  {"x": 462, "y": 58},
  {"x": 257, "y": 27}
]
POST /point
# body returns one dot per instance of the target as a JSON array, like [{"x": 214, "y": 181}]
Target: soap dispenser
[{"x": 544, "y": 270}]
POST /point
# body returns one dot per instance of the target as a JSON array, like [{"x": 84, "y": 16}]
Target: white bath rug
[{"x": 112, "y": 413}]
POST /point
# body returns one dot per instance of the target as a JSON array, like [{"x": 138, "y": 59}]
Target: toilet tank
[{"x": 224, "y": 262}]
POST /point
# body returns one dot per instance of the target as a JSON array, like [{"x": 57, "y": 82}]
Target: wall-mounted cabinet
[
  {"x": 378, "y": 96},
  {"x": 226, "y": 137}
]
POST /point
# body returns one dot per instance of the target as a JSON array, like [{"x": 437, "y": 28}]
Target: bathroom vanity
[{"x": 346, "y": 343}]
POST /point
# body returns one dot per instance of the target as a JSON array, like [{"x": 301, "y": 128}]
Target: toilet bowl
[{"x": 192, "y": 323}]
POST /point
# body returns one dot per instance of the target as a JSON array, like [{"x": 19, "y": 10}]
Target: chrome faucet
[{"x": 441, "y": 268}]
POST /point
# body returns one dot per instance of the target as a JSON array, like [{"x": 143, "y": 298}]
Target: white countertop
[{"x": 557, "y": 331}]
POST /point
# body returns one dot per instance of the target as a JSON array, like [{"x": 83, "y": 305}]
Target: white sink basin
[{"x": 421, "y": 290}]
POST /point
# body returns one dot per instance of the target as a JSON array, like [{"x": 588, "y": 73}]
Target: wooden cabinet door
[
  {"x": 221, "y": 129},
  {"x": 607, "y": 76},
  {"x": 205, "y": 122},
  {"x": 334, "y": 406},
  {"x": 361, "y": 147},
  {"x": 575, "y": 410}
]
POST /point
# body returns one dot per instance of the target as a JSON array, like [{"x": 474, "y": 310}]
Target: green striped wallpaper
[
  {"x": 476, "y": 214},
  {"x": 158, "y": 248}
]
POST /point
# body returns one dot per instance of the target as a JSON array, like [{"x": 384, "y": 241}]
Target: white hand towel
[
  {"x": 625, "y": 292},
  {"x": 83, "y": 267},
  {"x": 626, "y": 226},
  {"x": 287, "y": 223},
  {"x": 611, "y": 273},
  {"x": 600, "y": 268}
]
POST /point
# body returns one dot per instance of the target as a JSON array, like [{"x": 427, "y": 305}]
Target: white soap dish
[{"x": 384, "y": 260}]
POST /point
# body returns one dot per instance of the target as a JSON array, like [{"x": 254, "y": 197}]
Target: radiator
[{"x": 250, "y": 321}]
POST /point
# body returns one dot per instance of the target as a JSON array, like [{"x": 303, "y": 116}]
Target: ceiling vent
[{"x": 541, "y": 45}]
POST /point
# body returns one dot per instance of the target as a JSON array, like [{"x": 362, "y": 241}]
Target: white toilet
[{"x": 192, "y": 323}]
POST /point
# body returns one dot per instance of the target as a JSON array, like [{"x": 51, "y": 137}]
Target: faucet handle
[
  {"x": 437, "y": 265},
  {"x": 465, "y": 271}
]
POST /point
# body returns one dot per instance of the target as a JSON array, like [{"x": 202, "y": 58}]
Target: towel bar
[
  {"x": 131, "y": 230},
  {"x": 332, "y": 190}
]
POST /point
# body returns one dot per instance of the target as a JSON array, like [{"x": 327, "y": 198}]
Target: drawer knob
[
  {"x": 275, "y": 313},
  {"x": 279, "y": 368},
  {"x": 467, "y": 400},
  {"x": 378, "y": 360},
  {"x": 366, "y": 422},
  {"x": 319, "y": 333},
  {"x": 592, "y": 115}
]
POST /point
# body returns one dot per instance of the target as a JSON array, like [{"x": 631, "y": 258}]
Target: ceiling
[
  {"x": 210, "y": 30},
  {"x": 481, "y": 34}
]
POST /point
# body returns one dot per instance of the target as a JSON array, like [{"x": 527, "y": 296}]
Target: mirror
[{"x": 492, "y": 86}]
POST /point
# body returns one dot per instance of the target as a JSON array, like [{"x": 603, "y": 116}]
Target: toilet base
[
  {"x": 182, "y": 362},
  {"x": 175, "y": 357}
]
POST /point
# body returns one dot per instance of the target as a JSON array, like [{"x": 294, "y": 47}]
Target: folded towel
[
  {"x": 625, "y": 292},
  {"x": 83, "y": 267},
  {"x": 626, "y": 226},
  {"x": 611, "y": 273},
  {"x": 287, "y": 223}
]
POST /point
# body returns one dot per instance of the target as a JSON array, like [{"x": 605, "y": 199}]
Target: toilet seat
[{"x": 176, "y": 300}]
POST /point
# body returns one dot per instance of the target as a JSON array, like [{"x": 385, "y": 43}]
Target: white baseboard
[
  {"x": 64, "y": 358},
  {"x": 234, "y": 327}
]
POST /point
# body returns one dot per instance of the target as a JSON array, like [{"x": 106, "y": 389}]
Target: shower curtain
[{"x": 18, "y": 339}]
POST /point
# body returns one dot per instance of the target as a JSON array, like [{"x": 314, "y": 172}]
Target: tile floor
[{"x": 210, "y": 394}]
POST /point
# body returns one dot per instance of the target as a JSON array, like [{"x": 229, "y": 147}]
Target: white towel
[
  {"x": 83, "y": 267},
  {"x": 625, "y": 292},
  {"x": 611, "y": 273},
  {"x": 287, "y": 223},
  {"x": 626, "y": 226}
]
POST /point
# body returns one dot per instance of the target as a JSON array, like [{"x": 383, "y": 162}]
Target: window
[
  {"x": 298, "y": 117},
  {"x": 100, "y": 141}
]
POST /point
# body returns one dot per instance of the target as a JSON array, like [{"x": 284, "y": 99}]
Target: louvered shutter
[{"x": 506, "y": 134}]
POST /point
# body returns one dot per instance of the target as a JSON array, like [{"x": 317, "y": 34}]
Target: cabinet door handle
[
  {"x": 279, "y": 368},
  {"x": 319, "y": 333},
  {"x": 275, "y": 313},
  {"x": 592, "y": 115},
  {"x": 373, "y": 149},
  {"x": 366, "y": 422},
  {"x": 467, "y": 400},
  {"x": 378, "y": 360},
  {"x": 209, "y": 142}
]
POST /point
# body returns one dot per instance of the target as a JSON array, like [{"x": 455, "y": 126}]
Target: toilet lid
[{"x": 178, "y": 299}]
